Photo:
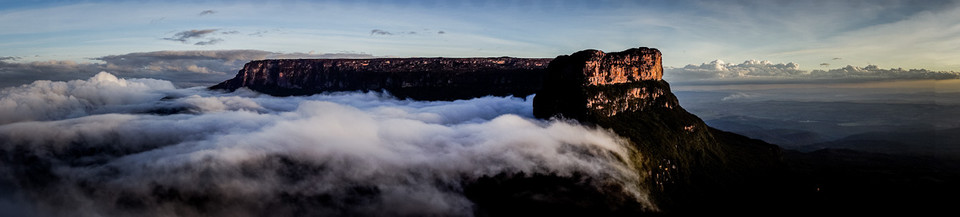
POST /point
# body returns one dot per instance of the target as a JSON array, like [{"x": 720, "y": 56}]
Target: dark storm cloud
[
  {"x": 184, "y": 36},
  {"x": 95, "y": 149},
  {"x": 206, "y": 12},
  {"x": 184, "y": 68}
]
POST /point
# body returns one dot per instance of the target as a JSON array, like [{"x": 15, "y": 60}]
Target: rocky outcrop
[
  {"x": 690, "y": 164},
  {"x": 415, "y": 78},
  {"x": 577, "y": 84}
]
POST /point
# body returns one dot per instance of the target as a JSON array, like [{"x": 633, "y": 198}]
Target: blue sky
[{"x": 890, "y": 34}]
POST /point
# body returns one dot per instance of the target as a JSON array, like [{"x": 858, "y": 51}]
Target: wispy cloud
[
  {"x": 259, "y": 33},
  {"x": 385, "y": 32},
  {"x": 209, "y": 42},
  {"x": 379, "y": 32},
  {"x": 184, "y": 36},
  {"x": 157, "y": 20},
  {"x": 206, "y": 12}
]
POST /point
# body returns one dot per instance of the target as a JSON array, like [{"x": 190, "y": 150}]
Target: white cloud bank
[
  {"x": 183, "y": 68},
  {"x": 118, "y": 147},
  {"x": 721, "y": 69},
  {"x": 755, "y": 70}
]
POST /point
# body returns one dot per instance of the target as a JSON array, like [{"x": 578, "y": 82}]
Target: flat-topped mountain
[
  {"x": 691, "y": 163},
  {"x": 684, "y": 162},
  {"x": 415, "y": 78}
]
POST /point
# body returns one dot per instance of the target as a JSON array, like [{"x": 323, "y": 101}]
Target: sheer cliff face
[
  {"x": 632, "y": 65},
  {"x": 416, "y": 78},
  {"x": 690, "y": 163},
  {"x": 592, "y": 82}
]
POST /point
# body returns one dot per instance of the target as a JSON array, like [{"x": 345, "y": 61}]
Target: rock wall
[
  {"x": 579, "y": 84},
  {"x": 637, "y": 64},
  {"x": 415, "y": 78},
  {"x": 687, "y": 163}
]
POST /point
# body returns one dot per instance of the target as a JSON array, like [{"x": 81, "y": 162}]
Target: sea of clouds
[{"x": 108, "y": 146}]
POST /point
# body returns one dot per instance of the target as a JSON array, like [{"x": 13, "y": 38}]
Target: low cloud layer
[
  {"x": 754, "y": 70},
  {"x": 183, "y": 68},
  {"x": 721, "y": 69},
  {"x": 106, "y": 146},
  {"x": 874, "y": 72}
]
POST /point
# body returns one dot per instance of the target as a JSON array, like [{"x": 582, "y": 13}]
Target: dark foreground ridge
[{"x": 415, "y": 78}]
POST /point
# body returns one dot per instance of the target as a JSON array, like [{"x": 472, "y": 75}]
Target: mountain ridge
[{"x": 436, "y": 78}]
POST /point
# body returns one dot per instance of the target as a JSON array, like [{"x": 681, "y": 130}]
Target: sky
[{"x": 49, "y": 40}]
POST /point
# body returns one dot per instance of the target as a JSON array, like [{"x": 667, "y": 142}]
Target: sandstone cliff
[
  {"x": 691, "y": 164},
  {"x": 416, "y": 78},
  {"x": 578, "y": 84}
]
